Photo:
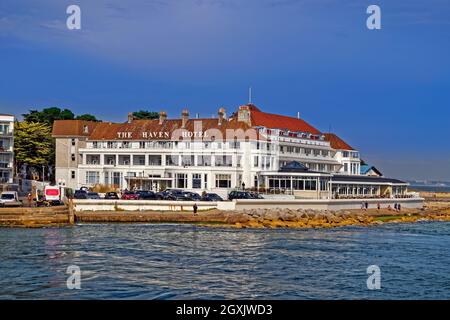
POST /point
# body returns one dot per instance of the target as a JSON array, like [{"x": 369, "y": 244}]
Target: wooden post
[{"x": 71, "y": 212}]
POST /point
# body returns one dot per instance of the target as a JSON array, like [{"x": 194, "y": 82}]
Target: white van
[{"x": 10, "y": 199}]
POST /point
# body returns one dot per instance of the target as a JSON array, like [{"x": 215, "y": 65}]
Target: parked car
[
  {"x": 130, "y": 195},
  {"x": 80, "y": 194},
  {"x": 10, "y": 199},
  {"x": 92, "y": 195},
  {"x": 168, "y": 194},
  {"x": 211, "y": 197},
  {"x": 255, "y": 195},
  {"x": 146, "y": 195},
  {"x": 240, "y": 195},
  {"x": 111, "y": 196},
  {"x": 191, "y": 196}
]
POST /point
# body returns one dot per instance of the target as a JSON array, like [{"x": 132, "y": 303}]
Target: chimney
[
  {"x": 184, "y": 117},
  {"x": 244, "y": 114},
  {"x": 221, "y": 114},
  {"x": 130, "y": 117},
  {"x": 162, "y": 117},
  {"x": 298, "y": 115}
]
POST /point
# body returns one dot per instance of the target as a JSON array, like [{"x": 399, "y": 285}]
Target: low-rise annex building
[
  {"x": 6, "y": 149},
  {"x": 250, "y": 149}
]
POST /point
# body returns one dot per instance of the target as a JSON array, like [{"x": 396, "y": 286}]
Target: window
[
  {"x": 223, "y": 161},
  {"x": 235, "y": 145},
  {"x": 107, "y": 178},
  {"x": 204, "y": 161},
  {"x": 72, "y": 174},
  {"x": 126, "y": 145},
  {"x": 187, "y": 160},
  {"x": 142, "y": 144},
  {"x": 139, "y": 160},
  {"x": 154, "y": 160},
  {"x": 223, "y": 180},
  {"x": 73, "y": 142},
  {"x": 85, "y": 129},
  {"x": 110, "y": 160},
  {"x": 93, "y": 159},
  {"x": 4, "y": 128},
  {"x": 345, "y": 167},
  {"x": 111, "y": 144},
  {"x": 181, "y": 179},
  {"x": 206, "y": 180},
  {"x": 345, "y": 154},
  {"x": 256, "y": 161},
  {"x": 124, "y": 160},
  {"x": 196, "y": 181},
  {"x": 117, "y": 179},
  {"x": 92, "y": 177},
  {"x": 172, "y": 160},
  {"x": 131, "y": 175},
  {"x": 73, "y": 156}
]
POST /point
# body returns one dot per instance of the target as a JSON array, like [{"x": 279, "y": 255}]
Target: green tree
[
  {"x": 87, "y": 117},
  {"x": 33, "y": 144},
  {"x": 48, "y": 115},
  {"x": 145, "y": 115}
]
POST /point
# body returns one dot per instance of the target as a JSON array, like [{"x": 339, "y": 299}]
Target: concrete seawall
[
  {"x": 162, "y": 205},
  {"x": 35, "y": 217}
]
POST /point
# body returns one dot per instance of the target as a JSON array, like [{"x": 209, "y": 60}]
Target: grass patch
[{"x": 387, "y": 218}]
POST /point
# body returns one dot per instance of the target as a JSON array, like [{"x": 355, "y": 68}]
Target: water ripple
[{"x": 170, "y": 261}]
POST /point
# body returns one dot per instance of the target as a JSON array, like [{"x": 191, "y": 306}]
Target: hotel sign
[{"x": 162, "y": 134}]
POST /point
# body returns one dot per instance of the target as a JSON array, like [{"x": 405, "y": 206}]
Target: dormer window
[{"x": 85, "y": 129}]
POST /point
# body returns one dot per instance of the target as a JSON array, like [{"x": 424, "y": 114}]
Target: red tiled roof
[
  {"x": 276, "y": 121},
  {"x": 336, "y": 142},
  {"x": 110, "y": 131},
  {"x": 72, "y": 128}
]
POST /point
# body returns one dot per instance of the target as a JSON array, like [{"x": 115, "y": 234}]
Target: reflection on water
[{"x": 164, "y": 261}]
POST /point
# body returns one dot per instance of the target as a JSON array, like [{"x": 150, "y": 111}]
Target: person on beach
[
  {"x": 366, "y": 205},
  {"x": 378, "y": 206},
  {"x": 399, "y": 207},
  {"x": 195, "y": 209},
  {"x": 30, "y": 200},
  {"x": 395, "y": 207},
  {"x": 363, "y": 206}
]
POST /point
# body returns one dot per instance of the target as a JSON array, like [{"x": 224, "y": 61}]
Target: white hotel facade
[
  {"x": 6, "y": 149},
  {"x": 251, "y": 149}
]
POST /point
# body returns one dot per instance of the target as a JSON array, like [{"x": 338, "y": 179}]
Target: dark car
[
  {"x": 111, "y": 196},
  {"x": 169, "y": 194},
  {"x": 92, "y": 195},
  {"x": 255, "y": 195},
  {"x": 80, "y": 194},
  {"x": 130, "y": 195},
  {"x": 240, "y": 195},
  {"x": 211, "y": 197},
  {"x": 146, "y": 195},
  {"x": 191, "y": 196}
]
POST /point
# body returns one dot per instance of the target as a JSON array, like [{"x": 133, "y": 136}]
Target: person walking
[
  {"x": 195, "y": 209},
  {"x": 30, "y": 200}
]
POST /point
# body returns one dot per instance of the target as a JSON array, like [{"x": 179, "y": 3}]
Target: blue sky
[{"x": 386, "y": 92}]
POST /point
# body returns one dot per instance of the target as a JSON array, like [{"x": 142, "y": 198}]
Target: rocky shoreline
[
  {"x": 251, "y": 218},
  {"x": 270, "y": 218},
  {"x": 285, "y": 218}
]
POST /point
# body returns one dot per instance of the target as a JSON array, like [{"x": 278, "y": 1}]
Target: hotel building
[
  {"x": 250, "y": 149},
  {"x": 6, "y": 149}
]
